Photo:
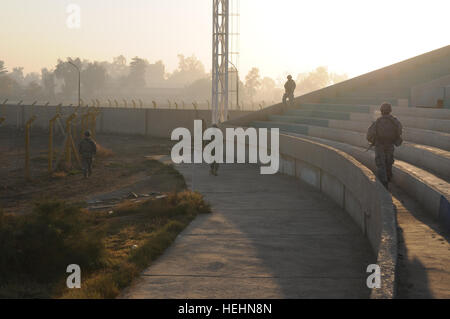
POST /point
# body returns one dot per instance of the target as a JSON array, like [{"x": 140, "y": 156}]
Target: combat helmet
[{"x": 386, "y": 108}]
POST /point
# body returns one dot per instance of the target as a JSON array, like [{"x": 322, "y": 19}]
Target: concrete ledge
[
  {"x": 353, "y": 187},
  {"x": 416, "y": 135},
  {"x": 257, "y": 116},
  {"x": 309, "y": 174},
  {"x": 431, "y": 113},
  {"x": 430, "y": 191},
  {"x": 332, "y": 187},
  {"x": 427, "y": 157},
  {"x": 441, "y": 125}
]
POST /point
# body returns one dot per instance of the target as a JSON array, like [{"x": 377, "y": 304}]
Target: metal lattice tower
[{"x": 223, "y": 42}]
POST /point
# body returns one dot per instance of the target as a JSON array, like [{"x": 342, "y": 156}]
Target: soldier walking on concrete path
[
  {"x": 289, "y": 87},
  {"x": 87, "y": 150},
  {"x": 384, "y": 134},
  {"x": 214, "y": 167}
]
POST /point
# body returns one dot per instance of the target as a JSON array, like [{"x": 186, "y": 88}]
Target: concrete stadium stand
[
  {"x": 432, "y": 113},
  {"x": 430, "y": 158},
  {"x": 425, "y": 137},
  {"x": 432, "y": 124},
  {"x": 430, "y": 191}
]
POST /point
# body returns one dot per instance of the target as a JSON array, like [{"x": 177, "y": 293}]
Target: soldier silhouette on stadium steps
[
  {"x": 384, "y": 134},
  {"x": 87, "y": 150},
  {"x": 289, "y": 87}
]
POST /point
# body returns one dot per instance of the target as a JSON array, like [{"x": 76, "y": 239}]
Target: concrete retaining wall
[
  {"x": 151, "y": 122},
  {"x": 356, "y": 190},
  {"x": 352, "y": 186},
  {"x": 431, "y": 192}
]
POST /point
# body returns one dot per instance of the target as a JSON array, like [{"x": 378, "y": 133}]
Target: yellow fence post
[
  {"x": 27, "y": 147},
  {"x": 134, "y": 103},
  {"x": 2, "y": 119},
  {"x": 50, "y": 142},
  {"x": 176, "y": 106},
  {"x": 154, "y": 104},
  {"x": 170, "y": 104}
]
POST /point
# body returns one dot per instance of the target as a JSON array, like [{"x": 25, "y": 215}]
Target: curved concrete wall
[
  {"x": 431, "y": 192},
  {"x": 355, "y": 189},
  {"x": 352, "y": 186}
]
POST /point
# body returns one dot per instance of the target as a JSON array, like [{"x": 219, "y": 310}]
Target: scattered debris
[
  {"x": 109, "y": 203},
  {"x": 132, "y": 195}
]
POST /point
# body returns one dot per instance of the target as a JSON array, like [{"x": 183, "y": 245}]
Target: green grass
[
  {"x": 111, "y": 249},
  {"x": 36, "y": 248},
  {"x": 138, "y": 236}
]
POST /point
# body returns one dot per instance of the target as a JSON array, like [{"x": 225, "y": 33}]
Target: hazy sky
[{"x": 278, "y": 36}]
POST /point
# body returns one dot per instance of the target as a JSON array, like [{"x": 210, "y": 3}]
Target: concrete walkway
[
  {"x": 424, "y": 251},
  {"x": 269, "y": 236}
]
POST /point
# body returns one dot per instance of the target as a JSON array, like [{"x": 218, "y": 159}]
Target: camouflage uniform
[
  {"x": 289, "y": 87},
  {"x": 384, "y": 159},
  {"x": 87, "y": 150},
  {"x": 384, "y": 150},
  {"x": 214, "y": 167}
]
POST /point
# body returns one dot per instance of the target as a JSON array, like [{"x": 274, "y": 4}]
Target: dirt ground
[{"x": 120, "y": 163}]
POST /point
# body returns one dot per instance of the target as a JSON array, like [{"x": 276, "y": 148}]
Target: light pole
[
  {"x": 79, "y": 82},
  {"x": 237, "y": 84}
]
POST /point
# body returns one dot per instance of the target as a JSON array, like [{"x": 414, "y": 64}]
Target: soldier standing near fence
[{"x": 87, "y": 150}]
